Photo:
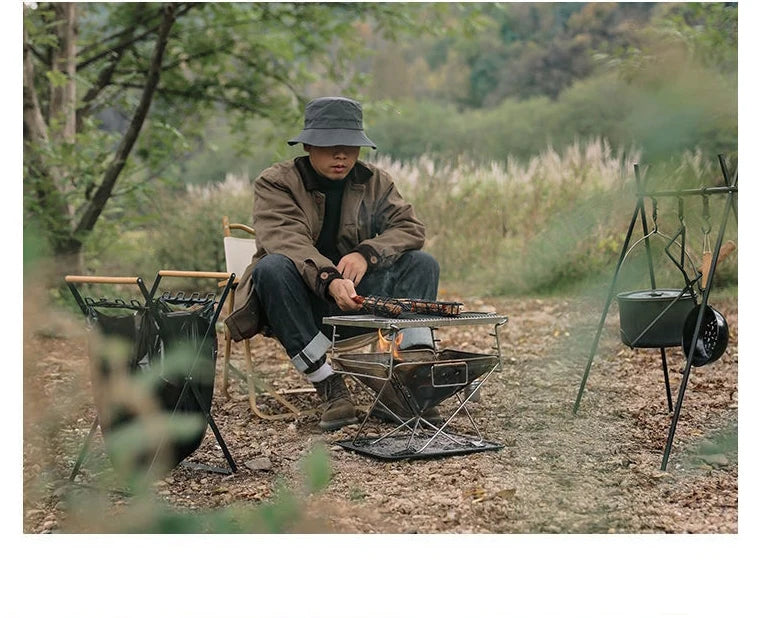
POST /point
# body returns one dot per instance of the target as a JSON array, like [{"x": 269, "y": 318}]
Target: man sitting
[{"x": 329, "y": 228}]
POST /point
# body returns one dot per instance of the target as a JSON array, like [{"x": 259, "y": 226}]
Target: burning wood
[{"x": 384, "y": 344}]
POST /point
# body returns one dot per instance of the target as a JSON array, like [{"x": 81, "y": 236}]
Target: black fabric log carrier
[{"x": 165, "y": 350}]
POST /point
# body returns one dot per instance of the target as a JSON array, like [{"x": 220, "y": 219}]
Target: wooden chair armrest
[
  {"x": 242, "y": 227},
  {"x": 222, "y": 284},
  {"x": 99, "y": 279},
  {"x": 194, "y": 273}
]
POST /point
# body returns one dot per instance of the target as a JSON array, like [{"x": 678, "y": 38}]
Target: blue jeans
[{"x": 295, "y": 313}]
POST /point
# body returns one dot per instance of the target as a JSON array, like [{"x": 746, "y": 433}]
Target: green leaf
[
  {"x": 317, "y": 469},
  {"x": 57, "y": 78}
]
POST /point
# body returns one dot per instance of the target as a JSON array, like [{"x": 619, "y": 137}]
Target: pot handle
[
  {"x": 706, "y": 260},
  {"x": 683, "y": 254}
]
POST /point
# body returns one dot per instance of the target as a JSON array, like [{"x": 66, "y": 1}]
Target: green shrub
[
  {"x": 185, "y": 232},
  {"x": 557, "y": 220},
  {"x": 696, "y": 109}
]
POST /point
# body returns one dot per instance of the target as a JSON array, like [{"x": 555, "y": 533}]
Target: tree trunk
[
  {"x": 103, "y": 192},
  {"x": 51, "y": 182},
  {"x": 63, "y": 95},
  {"x": 66, "y": 235},
  {"x": 34, "y": 123},
  {"x": 69, "y": 260}
]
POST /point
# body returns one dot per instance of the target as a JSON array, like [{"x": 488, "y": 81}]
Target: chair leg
[
  {"x": 250, "y": 381},
  {"x": 228, "y": 345}
]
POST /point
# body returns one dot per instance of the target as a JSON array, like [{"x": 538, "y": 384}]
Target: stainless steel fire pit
[{"x": 406, "y": 383}]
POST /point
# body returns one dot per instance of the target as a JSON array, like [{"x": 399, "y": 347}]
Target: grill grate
[{"x": 406, "y": 320}]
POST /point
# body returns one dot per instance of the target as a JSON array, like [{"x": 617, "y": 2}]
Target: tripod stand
[{"x": 729, "y": 188}]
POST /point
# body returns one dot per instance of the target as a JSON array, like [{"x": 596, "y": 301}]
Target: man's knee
[
  {"x": 421, "y": 260},
  {"x": 273, "y": 268}
]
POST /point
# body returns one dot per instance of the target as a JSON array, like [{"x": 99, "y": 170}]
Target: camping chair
[
  {"x": 167, "y": 363},
  {"x": 238, "y": 255}
]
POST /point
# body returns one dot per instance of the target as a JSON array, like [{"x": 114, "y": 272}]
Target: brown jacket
[{"x": 288, "y": 212}]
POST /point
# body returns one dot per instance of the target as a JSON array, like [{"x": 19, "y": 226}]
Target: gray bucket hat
[{"x": 333, "y": 121}]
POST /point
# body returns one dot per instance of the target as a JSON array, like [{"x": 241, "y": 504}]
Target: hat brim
[{"x": 332, "y": 137}]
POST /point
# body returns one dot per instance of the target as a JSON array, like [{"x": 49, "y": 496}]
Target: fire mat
[{"x": 402, "y": 447}]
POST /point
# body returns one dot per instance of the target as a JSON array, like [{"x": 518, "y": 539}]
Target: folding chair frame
[{"x": 253, "y": 381}]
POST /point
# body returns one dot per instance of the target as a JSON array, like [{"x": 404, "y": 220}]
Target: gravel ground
[{"x": 594, "y": 472}]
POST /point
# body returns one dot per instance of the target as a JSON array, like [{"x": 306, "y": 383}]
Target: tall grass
[
  {"x": 506, "y": 227},
  {"x": 487, "y": 222}
]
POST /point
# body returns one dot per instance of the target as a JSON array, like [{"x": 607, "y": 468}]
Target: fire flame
[{"x": 385, "y": 344}]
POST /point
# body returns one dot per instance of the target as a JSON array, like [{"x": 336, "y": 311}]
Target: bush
[
  {"x": 696, "y": 110},
  {"x": 556, "y": 221}
]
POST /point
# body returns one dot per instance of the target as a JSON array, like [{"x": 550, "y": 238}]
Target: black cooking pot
[
  {"x": 713, "y": 336},
  {"x": 665, "y": 309}
]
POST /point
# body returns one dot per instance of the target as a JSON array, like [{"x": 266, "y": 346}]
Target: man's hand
[
  {"x": 352, "y": 266},
  {"x": 343, "y": 292}
]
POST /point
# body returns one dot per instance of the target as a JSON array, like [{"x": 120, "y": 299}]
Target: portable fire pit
[{"x": 407, "y": 383}]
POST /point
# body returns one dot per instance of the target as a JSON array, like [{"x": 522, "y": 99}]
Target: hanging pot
[
  {"x": 664, "y": 309},
  {"x": 713, "y": 336}
]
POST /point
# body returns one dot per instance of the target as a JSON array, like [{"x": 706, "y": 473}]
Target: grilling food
[{"x": 393, "y": 307}]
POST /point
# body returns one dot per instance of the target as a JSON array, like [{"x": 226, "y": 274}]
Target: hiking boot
[{"x": 337, "y": 409}]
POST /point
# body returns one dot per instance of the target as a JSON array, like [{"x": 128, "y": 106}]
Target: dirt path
[{"x": 598, "y": 471}]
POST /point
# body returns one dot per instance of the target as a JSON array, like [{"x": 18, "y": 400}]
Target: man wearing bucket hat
[{"x": 328, "y": 228}]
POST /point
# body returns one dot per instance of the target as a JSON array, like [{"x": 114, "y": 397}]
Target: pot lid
[{"x": 661, "y": 294}]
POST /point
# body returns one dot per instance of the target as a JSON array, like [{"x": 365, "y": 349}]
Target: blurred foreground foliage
[
  {"x": 129, "y": 459},
  {"x": 120, "y": 494},
  {"x": 97, "y": 509}
]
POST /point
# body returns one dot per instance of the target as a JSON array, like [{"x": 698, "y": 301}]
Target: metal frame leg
[
  {"x": 699, "y": 318},
  {"x": 594, "y": 347},
  {"x": 250, "y": 382},
  {"x": 84, "y": 448}
]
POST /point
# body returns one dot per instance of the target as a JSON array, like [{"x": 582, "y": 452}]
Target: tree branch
[
  {"x": 123, "y": 34},
  {"x": 107, "y": 72},
  {"x": 127, "y": 42},
  {"x": 198, "y": 55},
  {"x": 120, "y": 47},
  {"x": 102, "y": 81},
  {"x": 199, "y": 94},
  {"x": 103, "y": 192}
]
